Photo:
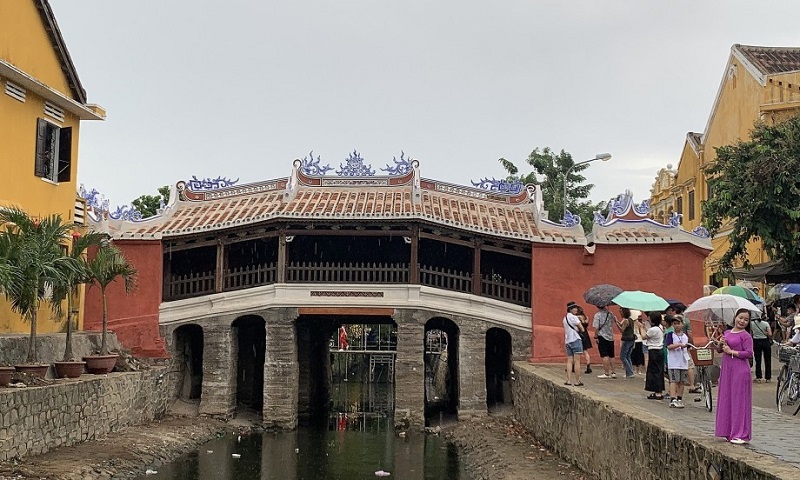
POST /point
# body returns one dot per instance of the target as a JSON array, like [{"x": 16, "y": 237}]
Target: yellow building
[
  {"x": 758, "y": 83},
  {"x": 41, "y": 107}
]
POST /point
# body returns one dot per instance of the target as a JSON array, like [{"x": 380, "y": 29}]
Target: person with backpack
[{"x": 603, "y": 323}]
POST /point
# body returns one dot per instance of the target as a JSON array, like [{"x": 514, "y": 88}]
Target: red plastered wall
[
  {"x": 133, "y": 317},
  {"x": 563, "y": 273}
]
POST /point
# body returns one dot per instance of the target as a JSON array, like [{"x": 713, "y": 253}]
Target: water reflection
[
  {"x": 351, "y": 447},
  {"x": 356, "y": 439}
]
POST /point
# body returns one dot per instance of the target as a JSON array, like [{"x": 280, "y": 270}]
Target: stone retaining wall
[
  {"x": 34, "y": 420},
  {"x": 614, "y": 441}
]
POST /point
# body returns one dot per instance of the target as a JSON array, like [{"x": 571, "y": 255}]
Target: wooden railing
[
  {"x": 190, "y": 285},
  {"x": 445, "y": 278},
  {"x": 250, "y": 276},
  {"x": 506, "y": 290},
  {"x": 350, "y": 272},
  {"x": 204, "y": 283}
]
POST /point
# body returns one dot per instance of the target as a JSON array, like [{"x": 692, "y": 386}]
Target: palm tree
[
  {"x": 33, "y": 248},
  {"x": 107, "y": 265},
  {"x": 69, "y": 289}
]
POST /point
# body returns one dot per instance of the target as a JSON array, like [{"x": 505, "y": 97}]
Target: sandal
[
  {"x": 654, "y": 396},
  {"x": 696, "y": 390},
  {"x": 579, "y": 384},
  {"x": 567, "y": 384}
]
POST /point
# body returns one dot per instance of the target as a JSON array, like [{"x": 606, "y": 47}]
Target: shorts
[
  {"x": 605, "y": 347},
  {"x": 690, "y": 362},
  {"x": 574, "y": 348},
  {"x": 679, "y": 376}
]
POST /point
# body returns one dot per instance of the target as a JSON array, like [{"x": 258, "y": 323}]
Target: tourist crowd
[{"x": 657, "y": 345}]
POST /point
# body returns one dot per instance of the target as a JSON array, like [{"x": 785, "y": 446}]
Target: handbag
[{"x": 771, "y": 341}]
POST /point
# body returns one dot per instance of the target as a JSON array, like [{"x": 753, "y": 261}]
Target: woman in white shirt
[
  {"x": 654, "y": 339},
  {"x": 573, "y": 344}
]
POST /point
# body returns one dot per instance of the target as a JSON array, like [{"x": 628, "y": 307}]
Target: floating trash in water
[
  {"x": 209, "y": 451},
  {"x": 150, "y": 471},
  {"x": 236, "y": 455},
  {"x": 381, "y": 473},
  {"x": 296, "y": 450}
]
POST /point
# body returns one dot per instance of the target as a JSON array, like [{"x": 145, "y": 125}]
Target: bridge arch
[
  {"x": 249, "y": 332},
  {"x": 188, "y": 341},
  {"x": 441, "y": 359},
  {"x": 498, "y": 357}
]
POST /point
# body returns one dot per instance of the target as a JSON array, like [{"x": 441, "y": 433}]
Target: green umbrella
[
  {"x": 739, "y": 291},
  {"x": 638, "y": 300}
]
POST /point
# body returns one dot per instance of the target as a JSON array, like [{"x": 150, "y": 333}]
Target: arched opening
[
  {"x": 498, "y": 367},
  {"x": 346, "y": 365},
  {"x": 441, "y": 369},
  {"x": 251, "y": 341},
  {"x": 189, "y": 360}
]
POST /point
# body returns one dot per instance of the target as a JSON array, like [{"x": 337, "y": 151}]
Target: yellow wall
[
  {"x": 25, "y": 43},
  {"x": 742, "y": 101}
]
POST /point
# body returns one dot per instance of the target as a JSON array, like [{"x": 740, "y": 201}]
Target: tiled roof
[
  {"x": 772, "y": 60},
  {"x": 328, "y": 203},
  {"x": 302, "y": 198}
]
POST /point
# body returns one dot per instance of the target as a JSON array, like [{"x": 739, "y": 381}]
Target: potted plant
[
  {"x": 69, "y": 367},
  {"x": 108, "y": 264},
  {"x": 34, "y": 252}
]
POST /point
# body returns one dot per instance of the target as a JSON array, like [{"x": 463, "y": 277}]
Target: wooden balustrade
[
  {"x": 349, "y": 272},
  {"x": 445, "y": 278},
  {"x": 203, "y": 283},
  {"x": 190, "y": 285},
  {"x": 507, "y": 290},
  {"x": 250, "y": 276}
]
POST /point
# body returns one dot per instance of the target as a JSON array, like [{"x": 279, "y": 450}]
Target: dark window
[
  {"x": 53, "y": 152},
  {"x": 691, "y": 205},
  {"x": 679, "y": 205}
]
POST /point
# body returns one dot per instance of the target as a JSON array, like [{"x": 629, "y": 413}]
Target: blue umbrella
[{"x": 793, "y": 288}]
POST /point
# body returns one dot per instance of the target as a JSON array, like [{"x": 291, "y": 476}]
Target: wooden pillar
[
  {"x": 476, "y": 268},
  {"x": 219, "y": 273},
  {"x": 281, "y": 274},
  {"x": 414, "y": 266}
]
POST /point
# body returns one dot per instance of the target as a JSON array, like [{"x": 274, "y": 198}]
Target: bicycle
[
  {"x": 788, "y": 387},
  {"x": 704, "y": 358}
]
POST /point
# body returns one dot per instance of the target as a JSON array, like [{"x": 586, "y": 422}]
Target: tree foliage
[
  {"x": 35, "y": 262},
  {"x": 108, "y": 265},
  {"x": 148, "y": 205},
  {"x": 549, "y": 169},
  {"x": 755, "y": 192}
]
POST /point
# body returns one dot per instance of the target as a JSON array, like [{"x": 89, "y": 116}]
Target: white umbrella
[{"x": 714, "y": 309}]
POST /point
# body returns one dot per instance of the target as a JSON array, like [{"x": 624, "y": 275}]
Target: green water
[{"x": 351, "y": 447}]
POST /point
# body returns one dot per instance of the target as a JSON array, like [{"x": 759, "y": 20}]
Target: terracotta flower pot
[
  {"x": 100, "y": 364},
  {"x": 5, "y": 375},
  {"x": 33, "y": 370},
  {"x": 69, "y": 369}
]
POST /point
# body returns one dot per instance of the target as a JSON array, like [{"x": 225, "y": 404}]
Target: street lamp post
[{"x": 600, "y": 156}]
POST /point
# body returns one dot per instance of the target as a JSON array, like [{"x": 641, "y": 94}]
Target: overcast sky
[{"x": 240, "y": 88}]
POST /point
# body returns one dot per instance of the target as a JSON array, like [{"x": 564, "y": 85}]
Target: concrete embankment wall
[
  {"x": 619, "y": 442},
  {"x": 34, "y": 420}
]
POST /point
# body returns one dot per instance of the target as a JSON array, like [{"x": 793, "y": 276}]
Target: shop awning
[{"x": 767, "y": 272}]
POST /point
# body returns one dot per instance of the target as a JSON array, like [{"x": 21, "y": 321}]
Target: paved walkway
[{"x": 776, "y": 434}]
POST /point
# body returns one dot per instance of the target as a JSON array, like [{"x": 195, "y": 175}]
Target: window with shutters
[
  {"x": 691, "y": 205},
  {"x": 53, "y": 152}
]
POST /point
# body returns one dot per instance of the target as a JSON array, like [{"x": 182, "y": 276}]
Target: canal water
[
  {"x": 356, "y": 450},
  {"x": 354, "y": 441}
]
